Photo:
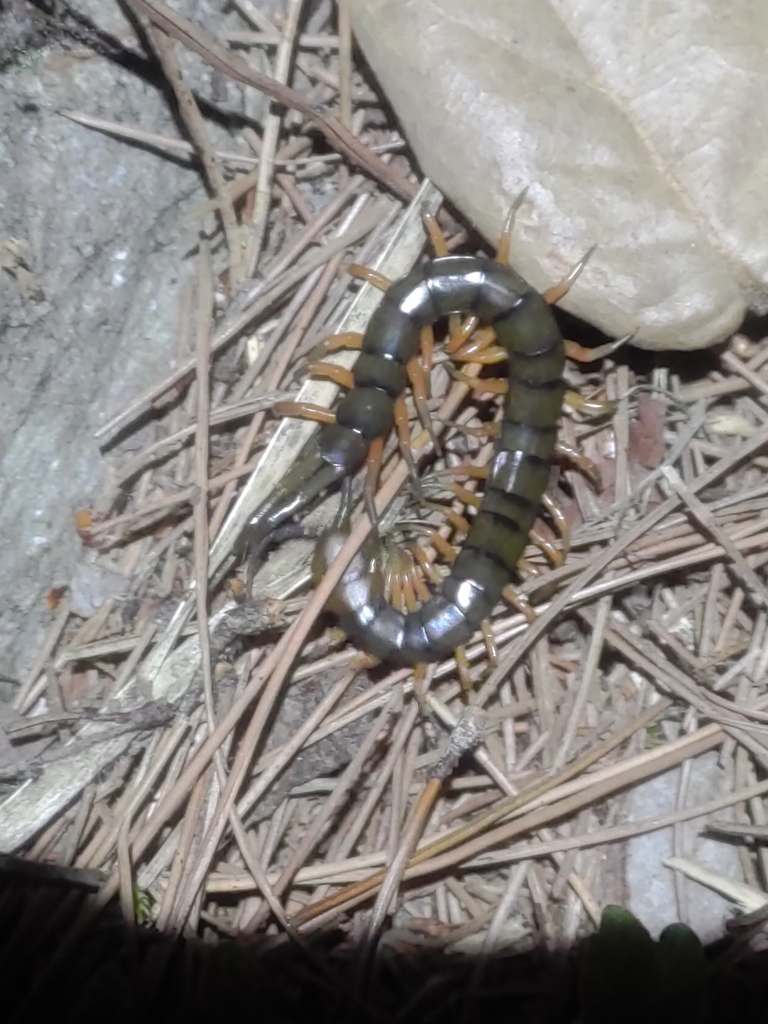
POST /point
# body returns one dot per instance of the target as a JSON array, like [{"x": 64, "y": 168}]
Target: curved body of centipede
[{"x": 526, "y": 329}]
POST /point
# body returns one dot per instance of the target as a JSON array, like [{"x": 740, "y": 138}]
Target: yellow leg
[
  {"x": 468, "y": 497},
  {"x": 589, "y": 406},
  {"x": 435, "y": 232},
  {"x": 305, "y": 411},
  {"x": 580, "y": 460},
  {"x": 465, "y": 469},
  {"x": 519, "y": 601},
  {"x": 486, "y": 628},
  {"x": 372, "y": 470},
  {"x": 427, "y": 348},
  {"x": 426, "y": 563},
  {"x": 557, "y": 515},
  {"x": 371, "y": 276},
  {"x": 418, "y": 383},
  {"x": 480, "y": 349},
  {"x": 460, "y": 337},
  {"x": 462, "y": 665},
  {"x": 330, "y": 371},
  {"x": 484, "y": 385},
  {"x": 403, "y": 427},
  {"x": 457, "y": 521},
  {"x": 442, "y": 546},
  {"x": 420, "y": 690},
  {"x": 334, "y": 342},
  {"x": 545, "y": 544}
]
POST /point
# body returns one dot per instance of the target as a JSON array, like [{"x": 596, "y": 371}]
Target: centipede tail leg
[{"x": 558, "y": 291}]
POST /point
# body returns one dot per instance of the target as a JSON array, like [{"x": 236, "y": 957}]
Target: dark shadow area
[{"x": 64, "y": 961}]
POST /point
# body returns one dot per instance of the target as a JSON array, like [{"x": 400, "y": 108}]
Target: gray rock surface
[{"x": 97, "y": 220}]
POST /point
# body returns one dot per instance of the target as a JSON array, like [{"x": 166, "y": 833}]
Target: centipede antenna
[
  {"x": 557, "y": 291},
  {"x": 502, "y": 251},
  {"x": 582, "y": 354}
]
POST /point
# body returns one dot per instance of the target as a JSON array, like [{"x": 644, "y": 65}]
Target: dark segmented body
[{"x": 518, "y": 472}]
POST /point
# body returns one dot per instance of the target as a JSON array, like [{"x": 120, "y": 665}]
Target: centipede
[{"x": 522, "y": 333}]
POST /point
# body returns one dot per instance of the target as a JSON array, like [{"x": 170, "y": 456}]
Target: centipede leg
[
  {"x": 582, "y": 354},
  {"x": 519, "y": 601},
  {"x": 462, "y": 667},
  {"x": 480, "y": 349},
  {"x": 330, "y": 371},
  {"x": 442, "y": 546},
  {"x": 484, "y": 431},
  {"x": 502, "y": 252},
  {"x": 426, "y": 563},
  {"x": 373, "y": 277},
  {"x": 491, "y": 647},
  {"x": 557, "y": 515},
  {"x": 482, "y": 385},
  {"x": 580, "y": 461},
  {"x": 589, "y": 406},
  {"x": 456, "y": 519},
  {"x": 373, "y": 462},
  {"x": 556, "y": 292},
  {"x": 421, "y": 681},
  {"x": 427, "y": 349},
  {"x": 305, "y": 411},
  {"x": 349, "y": 340},
  {"x": 466, "y": 496},
  {"x": 543, "y": 543},
  {"x": 415, "y": 372},
  {"x": 403, "y": 427},
  {"x": 461, "y": 335},
  {"x": 435, "y": 232}
]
